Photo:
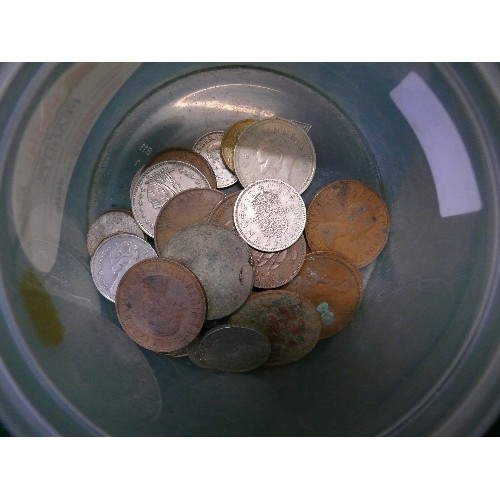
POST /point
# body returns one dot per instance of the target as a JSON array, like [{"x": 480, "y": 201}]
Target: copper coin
[
  {"x": 109, "y": 223},
  {"x": 161, "y": 304},
  {"x": 223, "y": 213},
  {"x": 291, "y": 323},
  {"x": 333, "y": 285},
  {"x": 220, "y": 259},
  {"x": 187, "y": 156},
  {"x": 233, "y": 348},
  {"x": 185, "y": 208},
  {"x": 350, "y": 218},
  {"x": 229, "y": 140}
]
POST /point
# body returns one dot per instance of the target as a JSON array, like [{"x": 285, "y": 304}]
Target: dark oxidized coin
[
  {"x": 291, "y": 323},
  {"x": 234, "y": 348},
  {"x": 193, "y": 351},
  {"x": 223, "y": 213},
  {"x": 220, "y": 259},
  {"x": 185, "y": 208},
  {"x": 161, "y": 304}
]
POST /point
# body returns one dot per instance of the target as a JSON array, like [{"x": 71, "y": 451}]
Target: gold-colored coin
[{"x": 229, "y": 140}]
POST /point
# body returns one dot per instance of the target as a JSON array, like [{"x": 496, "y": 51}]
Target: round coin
[
  {"x": 229, "y": 140},
  {"x": 159, "y": 184},
  {"x": 275, "y": 149},
  {"x": 113, "y": 257},
  {"x": 108, "y": 223},
  {"x": 209, "y": 146},
  {"x": 234, "y": 348},
  {"x": 270, "y": 215},
  {"x": 194, "y": 353},
  {"x": 187, "y": 156},
  {"x": 161, "y": 305},
  {"x": 291, "y": 323},
  {"x": 333, "y": 285},
  {"x": 350, "y": 218},
  {"x": 185, "y": 208},
  {"x": 220, "y": 259},
  {"x": 223, "y": 213}
]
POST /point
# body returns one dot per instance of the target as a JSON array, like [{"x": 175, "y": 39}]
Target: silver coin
[
  {"x": 270, "y": 215},
  {"x": 157, "y": 185},
  {"x": 220, "y": 259},
  {"x": 209, "y": 146},
  {"x": 135, "y": 180},
  {"x": 114, "y": 257},
  {"x": 275, "y": 149},
  {"x": 234, "y": 348},
  {"x": 109, "y": 223}
]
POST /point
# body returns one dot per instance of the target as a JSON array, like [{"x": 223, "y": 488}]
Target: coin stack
[{"x": 227, "y": 279}]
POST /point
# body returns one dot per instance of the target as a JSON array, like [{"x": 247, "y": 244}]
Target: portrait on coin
[{"x": 273, "y": 159}]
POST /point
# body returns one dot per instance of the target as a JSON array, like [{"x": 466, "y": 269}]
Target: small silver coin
[
  {"x": 108, "y": 223},
  {"x": 270, "y": 215},
  {"x": 209, "y": 146},
  {"x": 158, "y": 185},
  {"x": 275, "y": 149},
  {"x": 234, "y": 348},
  {"x": 114, "y": 257},
  {"x": 220, "y": 259}
]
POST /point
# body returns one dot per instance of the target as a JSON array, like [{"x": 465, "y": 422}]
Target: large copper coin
[
  {"x": 350, "y": 218},
  {"x": 161, "y": 304},
  {"x": 185, "y": 208},
  {"x": 223, "y": 213},
  {"x": 333, "y": 285},
  {"x": 220, "y": 259},
  {"x": 234, "y": 348},
  {"x": 187, "y": 156},
  {"x": 229, "y": 140},
  {"x": 291, "y": 323}
]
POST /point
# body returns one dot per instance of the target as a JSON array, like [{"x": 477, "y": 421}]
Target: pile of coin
[{"x": 228, "y": 279}]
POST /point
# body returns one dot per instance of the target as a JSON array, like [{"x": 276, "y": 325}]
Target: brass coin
[
  {"x": 220, "y": 259},
  {"x": 333, "y": 285},
  {"x": 185, "y": 208},
  {"x": 291, "y": 323},
  {"x": 350, "y": 218},
  {"x": 229, "y": 140},
  {"x": 187, "y": 156},
  {"x": 161, "y": 304}
]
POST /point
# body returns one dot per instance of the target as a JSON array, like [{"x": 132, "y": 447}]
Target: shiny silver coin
[
  {"x": 114, "y": 257},
  {"x": 234, "y": 348},
  {"x": 220, "y": 259},
  {"x": 275, "y": 149},
  {"x": 270, "y": 215},
  {"x": 158, "y": 185},
  {"x": 109, "y": 223},
  {"x": 209, "y": 146}
]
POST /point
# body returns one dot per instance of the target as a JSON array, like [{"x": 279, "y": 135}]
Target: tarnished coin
[
  {"x": 223, "y": 213},
  {"x": 185, "y": 208},
  {"x": 233, "y": 348},
  {"x": 178, "y": 353},
  {"x": 187, "y": 156},
  {"x": 159, "y": 184},
  {"x": 274, "y": 269},
  {"x": 229, "y": 140},
  {"x": 333, "y": 285},
  {"x": 109, "y": 223},
  {"x": 291, "y": 323},
  {"x": 270, "y": 215},
  {"x": 113, "y": 257},
  {"x": 275, "y": 149},
  {"x": 220, "y": 259},
  {"x": 161, "y": 305},
  {"x": 350, "y": 218},
  {"x": 194, "y": 353},
  {"x": 209, "y": 146}
]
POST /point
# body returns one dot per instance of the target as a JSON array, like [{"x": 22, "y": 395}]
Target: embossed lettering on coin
[
  {"x": 350, "y": 218},
  {"x": 113, "y": 257}
]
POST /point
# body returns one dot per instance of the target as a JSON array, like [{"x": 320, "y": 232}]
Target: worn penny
[
  {"x": 220, "y": 259},
  {"x": 161, "y": 305},
  {"x": 185, "y": 208},
  {"x": 350, "y": 218},
  {"x": 333, "y": 285},
  {"x": 229, "y": 140},
  {"x": 291, "y": 323},
  {"x": 109, "y": 223},
  {"x": 223, "y": 212}
]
